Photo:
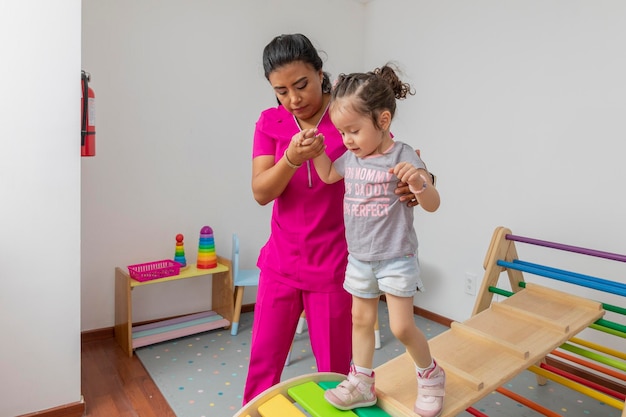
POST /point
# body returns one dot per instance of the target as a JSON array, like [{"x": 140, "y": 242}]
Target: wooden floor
[{"x": 114, "y": 385}]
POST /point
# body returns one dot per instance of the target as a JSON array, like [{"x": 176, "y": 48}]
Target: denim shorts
[{"x": 370, "y": 279}]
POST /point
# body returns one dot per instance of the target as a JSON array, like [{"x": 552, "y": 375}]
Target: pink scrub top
[{"x": 307, "y": 246}]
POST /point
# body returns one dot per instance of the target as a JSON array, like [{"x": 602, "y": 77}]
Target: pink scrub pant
[{"x": 276, "y": 315}]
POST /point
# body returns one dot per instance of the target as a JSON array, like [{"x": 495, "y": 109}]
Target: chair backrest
[{"x": 235, "y": 258}]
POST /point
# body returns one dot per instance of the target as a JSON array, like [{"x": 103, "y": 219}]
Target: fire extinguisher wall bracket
[{"x": 87, "y": 117}]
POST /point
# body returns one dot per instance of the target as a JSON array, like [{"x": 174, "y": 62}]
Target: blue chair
[{"x": 241, "y": 278}]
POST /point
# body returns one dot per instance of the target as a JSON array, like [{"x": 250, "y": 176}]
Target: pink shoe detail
[
  {"x": 356, "y": 391},
  {"x": 430, "y": 392}
]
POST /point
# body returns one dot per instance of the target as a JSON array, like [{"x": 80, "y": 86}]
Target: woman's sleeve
[{"x": 263, "y": 144}]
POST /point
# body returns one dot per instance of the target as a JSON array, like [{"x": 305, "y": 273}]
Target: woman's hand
[
  {"x": 305, "y": 145},
  {"x": 405, "y": 194},
  {"x": 305, "y": 137}
]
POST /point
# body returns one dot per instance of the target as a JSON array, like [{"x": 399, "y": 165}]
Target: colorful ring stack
[
  {"x": 179, "y": 253},
  {"x": 207, "y": 257}
]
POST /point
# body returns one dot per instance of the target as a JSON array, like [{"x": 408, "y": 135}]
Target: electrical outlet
[{"x": 470, "y": 283}]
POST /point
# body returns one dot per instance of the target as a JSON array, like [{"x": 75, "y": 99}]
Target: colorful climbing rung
[{"x": 279, "y": 405}]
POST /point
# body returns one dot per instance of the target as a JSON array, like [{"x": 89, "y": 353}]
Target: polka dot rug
[{"x": 203, "y": 375}]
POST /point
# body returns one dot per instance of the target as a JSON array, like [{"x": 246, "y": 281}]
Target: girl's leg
[
  {"x": 276, "y": 315},
  {"x": 329, "y": 323},
  {"x": 358, "y": 389},
  {"x": 431, "y": 378},
  {"x": 402, "y": 324},
  {"x": 364, "y": 313}
]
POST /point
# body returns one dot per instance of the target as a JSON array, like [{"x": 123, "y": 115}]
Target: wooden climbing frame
[{"x": 499, "y": 341}]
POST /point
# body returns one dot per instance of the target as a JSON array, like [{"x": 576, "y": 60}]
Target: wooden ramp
[
  {"x": 490, "y": 348},
  {"x": 478, "y": 355}
]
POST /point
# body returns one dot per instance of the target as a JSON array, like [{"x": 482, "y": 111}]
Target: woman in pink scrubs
[{"x": 304, "y": 261}]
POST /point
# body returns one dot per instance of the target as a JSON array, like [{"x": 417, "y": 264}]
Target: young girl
[{"x": 382, "y": 243}]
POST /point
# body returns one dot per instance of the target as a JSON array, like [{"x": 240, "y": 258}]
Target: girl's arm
[
  {"x": 325, "y": 169},
  {"x": 323, "y": 165},
  {"x": 402, "y": 188},
  {"x": 420, "y": 183}
]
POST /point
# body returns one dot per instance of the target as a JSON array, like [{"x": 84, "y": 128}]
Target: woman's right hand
[{"x": 305, "y": 145}]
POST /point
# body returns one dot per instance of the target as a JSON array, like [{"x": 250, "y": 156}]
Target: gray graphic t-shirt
[{"x": 378, "y": 225}]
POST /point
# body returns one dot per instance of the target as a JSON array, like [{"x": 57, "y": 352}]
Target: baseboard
[
  {"x": 444, "y": 321},
  {"x": 97, "y": 335},
  {"x": 76, "y": 409}
]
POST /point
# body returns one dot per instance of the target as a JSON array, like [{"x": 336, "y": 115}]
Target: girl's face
[
  {"x": 298, "y": 87},
  {"x": 360, "y": 135}
]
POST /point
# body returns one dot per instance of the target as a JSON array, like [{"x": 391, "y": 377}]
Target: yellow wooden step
[{"x": 279, "y": 406}]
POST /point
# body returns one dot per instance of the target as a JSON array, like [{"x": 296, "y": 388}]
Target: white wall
[
  {"x": 40, "y": 189},
  {"x": 520, "y": 111},
  {"x": 179, "y": 86}
]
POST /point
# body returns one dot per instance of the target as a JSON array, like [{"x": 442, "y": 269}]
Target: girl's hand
[
  {"x": 408, "y": 174},
  {"x": 402, "y": 189},
  {"x": 419, "y": 182},
  {"x": 315, "y": 145},
  {"x": 304, "y": 137}
]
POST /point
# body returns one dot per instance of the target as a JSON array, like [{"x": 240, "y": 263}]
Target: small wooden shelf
[{"x": 132, "y": 337}]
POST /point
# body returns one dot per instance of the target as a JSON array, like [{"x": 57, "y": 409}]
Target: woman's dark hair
[
  {"x": 375, "y": 91},
  {"x": 285, "y": 49}
]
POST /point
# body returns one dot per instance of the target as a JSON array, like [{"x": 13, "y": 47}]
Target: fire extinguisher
[{"x": 88, "y": 117}]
